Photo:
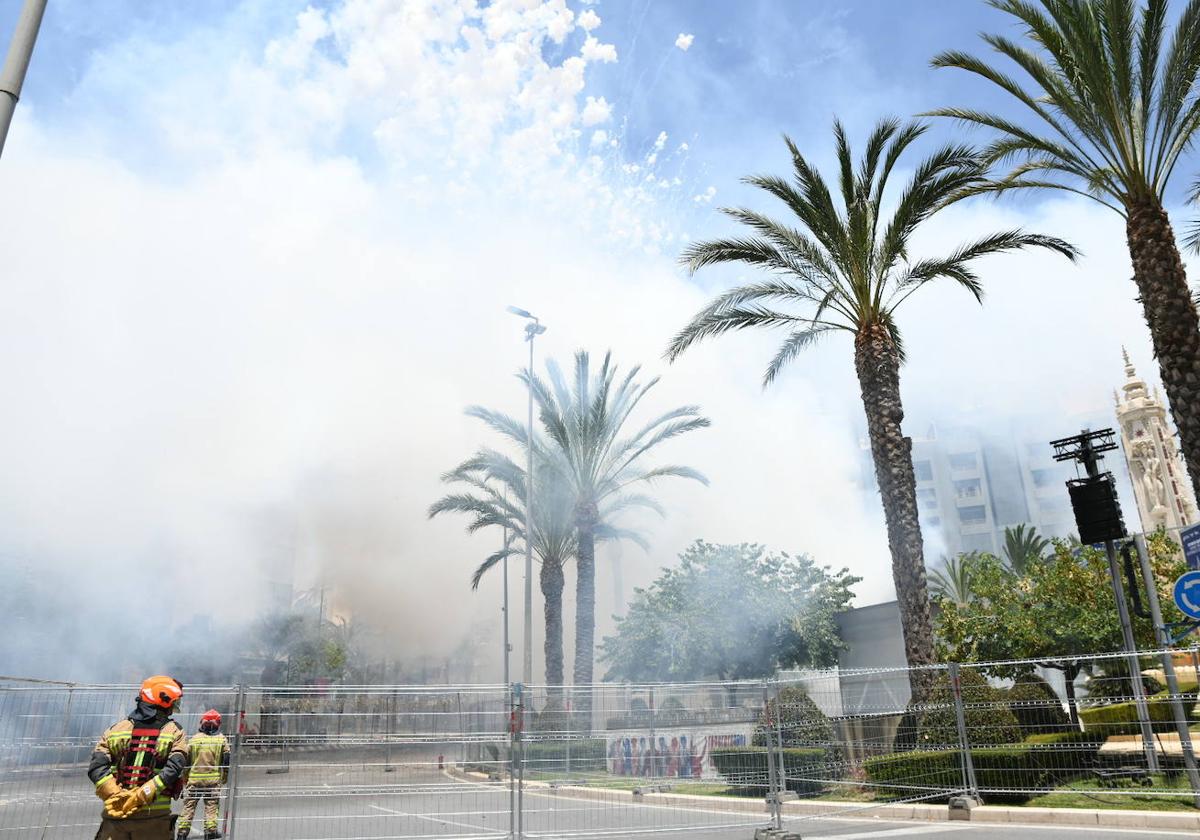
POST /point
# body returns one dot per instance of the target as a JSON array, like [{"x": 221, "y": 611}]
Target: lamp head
[{"x": 516, "y": 310}]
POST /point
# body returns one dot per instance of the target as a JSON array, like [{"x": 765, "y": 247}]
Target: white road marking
[
  {"x": 922, "y": 830},
  {"x": 471, "y": 826}
]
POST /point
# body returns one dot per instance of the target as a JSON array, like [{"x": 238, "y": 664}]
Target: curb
[{"x": 913, "y": 812}]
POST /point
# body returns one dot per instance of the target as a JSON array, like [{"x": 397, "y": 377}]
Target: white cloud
[
  {"x": 705, "y": 197},
  {"x": 684, "y": 41},
  {"x": 589, "y": 20},
  {"x": 597, "y": 110},
  {"x": 593, "y": 50}
]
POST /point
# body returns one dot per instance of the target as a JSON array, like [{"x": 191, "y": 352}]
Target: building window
[
  {"x": 972, "y": 514},
  {"x": 924, "y": 470},
  {"x": 977, "y": 542},
  {"x": 967, "y": 489},
  {"x": 934, "y": 521},
  {"x": 927, "y": 498},
  {"x": 1042, "y": 478},
  {"x": 964, "y": 461}
]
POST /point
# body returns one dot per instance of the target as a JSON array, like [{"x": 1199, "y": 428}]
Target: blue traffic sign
[
  {"x": 1187, "y": 594},
  {"x": 1190, "y": 537}
]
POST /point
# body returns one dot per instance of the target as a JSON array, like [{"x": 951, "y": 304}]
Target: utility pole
[
  {"x": 1098, "y": 517},
  {"x": 533, "y": 329},
  {"x": 20, "y": 50},
  {"x": 1165, "y": 641}
]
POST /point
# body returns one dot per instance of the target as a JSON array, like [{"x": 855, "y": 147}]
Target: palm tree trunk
[
  {"x": 585, "y": 614},
  {"x": 1171, "y": 314},
  {"x": 551, "y": 580},
  {"x": 878, "y": 366}
]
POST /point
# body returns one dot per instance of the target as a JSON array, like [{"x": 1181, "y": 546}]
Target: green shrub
[
  {"x": 1037, "y": 707},
  {"x": 1122, "y": 718},
  {"x": 988, "y": 718},
  {"x": 1002, "y": 773},
  {"x": 802, "y": 724},
  {"x": 588, "y": 755},
  {"x": 746, "y": 768}
]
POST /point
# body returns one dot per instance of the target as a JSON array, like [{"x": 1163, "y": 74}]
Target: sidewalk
[{"x": 918, "y": 812}]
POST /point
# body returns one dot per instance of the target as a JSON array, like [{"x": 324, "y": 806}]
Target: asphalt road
[{"x": 357, "y": 800}]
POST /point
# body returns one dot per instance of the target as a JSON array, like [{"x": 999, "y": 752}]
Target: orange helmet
[
  {"x": 212, "y": 717},
  {"x": 162, "y": 691}
]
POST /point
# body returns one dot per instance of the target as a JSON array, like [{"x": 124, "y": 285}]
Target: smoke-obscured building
[{"x": 974, "y": 483}]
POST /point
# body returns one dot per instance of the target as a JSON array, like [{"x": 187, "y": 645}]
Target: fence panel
[
  {"x": 47, "y": 734},
  {"x": 637, "y": 759}
]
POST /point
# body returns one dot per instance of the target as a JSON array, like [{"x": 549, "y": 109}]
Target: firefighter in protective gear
[
  {"x": 206, "y": 775},
  {"x": 138, "y": 764}
]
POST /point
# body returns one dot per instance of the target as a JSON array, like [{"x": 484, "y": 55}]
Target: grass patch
[{"x": 1087, "y": 793}]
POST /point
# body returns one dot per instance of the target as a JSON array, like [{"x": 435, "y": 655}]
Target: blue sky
[
  {"x": 258, "y": 256},
  {"x": 769, "y": 67}
]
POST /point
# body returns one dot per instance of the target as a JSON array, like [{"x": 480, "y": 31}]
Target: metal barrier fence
[{"x": 799, "y": 751}]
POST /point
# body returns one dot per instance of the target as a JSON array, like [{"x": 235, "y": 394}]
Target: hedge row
[
  {"x": 746, "y": 767},
  {"x": 588, "y": 755},
  {"x": 1122, "y": 718},
  {"x": 1042, "y": 763}
]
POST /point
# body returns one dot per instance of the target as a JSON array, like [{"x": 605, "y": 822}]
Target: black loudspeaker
[{"x": 1097, "y": 511}]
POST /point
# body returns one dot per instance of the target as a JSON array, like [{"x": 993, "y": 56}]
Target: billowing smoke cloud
[{"x": 245, "y": 309}]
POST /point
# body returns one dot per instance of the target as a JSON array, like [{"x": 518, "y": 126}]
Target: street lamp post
[
  {"x": 20, "y": 50},
  {"x": 533, "y": 329}
]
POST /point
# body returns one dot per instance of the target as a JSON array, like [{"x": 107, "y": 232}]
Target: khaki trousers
[
  {"x": 210, "y": 792},
  {"x": 148, "y": 828}
]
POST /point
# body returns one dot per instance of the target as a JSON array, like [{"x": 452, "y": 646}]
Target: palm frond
[{"x": 792, "y": 347}]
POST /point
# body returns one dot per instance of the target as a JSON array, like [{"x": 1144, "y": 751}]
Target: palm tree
[
  {"x": 953, "y": 580},
  {"x": 1023, "y": 547},
  {"x": 495, "y": 497},
  {"x": 1115, "y": 105},
  {"x": 848, "y": 269},
  {"x": 601, "y": 460}
]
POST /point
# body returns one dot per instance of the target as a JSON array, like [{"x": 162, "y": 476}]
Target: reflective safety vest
[
  {"x": 138, "y": 753},
  {"x": 207, "y": 752}
]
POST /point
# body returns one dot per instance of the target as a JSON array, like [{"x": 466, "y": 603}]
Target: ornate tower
[{"x": 1160, "y": 483}]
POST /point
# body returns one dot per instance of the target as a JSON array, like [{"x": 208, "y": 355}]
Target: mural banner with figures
[{"x": 673, "y": 752}]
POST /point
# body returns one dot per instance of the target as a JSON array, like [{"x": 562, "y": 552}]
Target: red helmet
[
  {"x": 162, "y": 691},
  {"x": 212, "y": 716}
]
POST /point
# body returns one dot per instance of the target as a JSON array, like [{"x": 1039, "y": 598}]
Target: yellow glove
[
  {"x": 107, "y": 788},
  {"x": 127, "y": 802},
  {"x": 114, "y": 806}
]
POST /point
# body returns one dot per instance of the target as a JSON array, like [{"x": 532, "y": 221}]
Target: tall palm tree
[
  {"x": 953, "y": 580},
  {"x": 1023, "y": 547},
  {"x": 494, "y": 498},
  {"x": 847, "y": 269},
  {"x": 1114, "y": 105},
  {"x": 586, "y": 423}
]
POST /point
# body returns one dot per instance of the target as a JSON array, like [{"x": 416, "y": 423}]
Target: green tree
[
  {"x": 730, "y": 612},
  {"x": 848, "y": 269},
  {"x": 1114, "y": 103},
  {"x": 1022, "y": 546},
  {"x": 494, "y": 497},
  {"x": 1062, "y": 606},
  {"x": 953, "y": 580},
  {"x": 587, "y": 425}
]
